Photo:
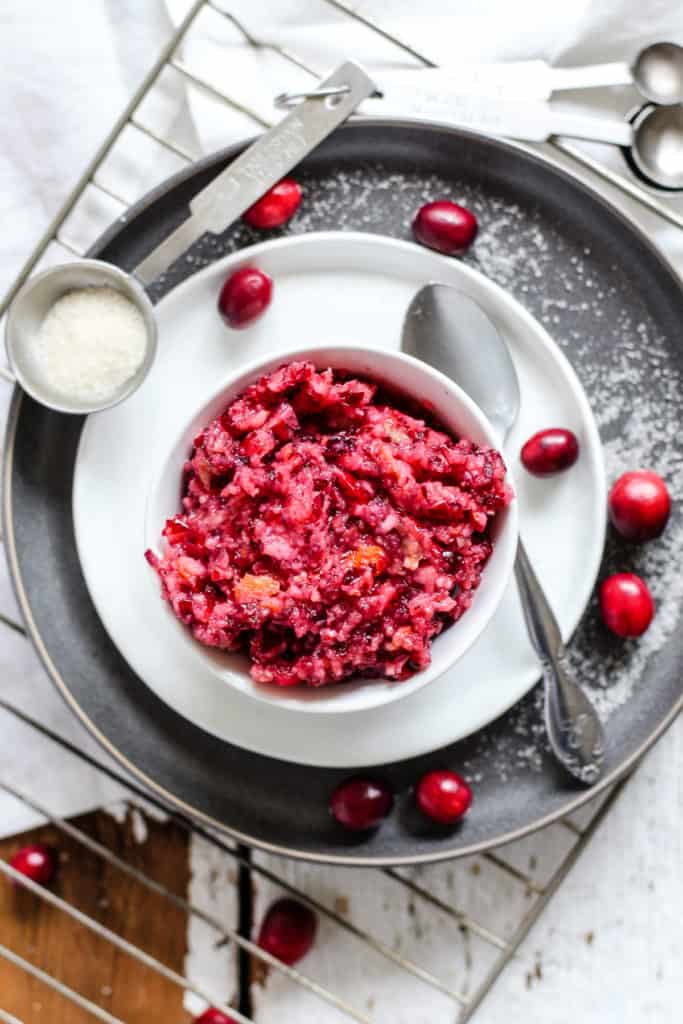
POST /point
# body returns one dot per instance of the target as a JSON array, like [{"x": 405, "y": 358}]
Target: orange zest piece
[
  {"x": 368, "y": 556},
  {"x": 255, "y": 588}
]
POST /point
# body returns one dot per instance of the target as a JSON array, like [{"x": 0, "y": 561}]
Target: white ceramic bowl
[{"x": 457, "y": 413}]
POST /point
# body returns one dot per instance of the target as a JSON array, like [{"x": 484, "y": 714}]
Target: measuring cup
[{"x": 212, "y": 211}]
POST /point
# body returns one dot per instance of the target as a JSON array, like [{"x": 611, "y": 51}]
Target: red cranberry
[
  {"x": 276, "y": 207},
  {"x": 357, "y": 490},
  {"x": 443, "y": 796},
  {"x": 639, "y": 505},
  {"x": 37, "y": 862},
  {"x": 550, "y": 451},
  {"x": 288, "y": 930},
  {"x": 445, "y": 226},
  {"x": 213, "y": 1016},
  {"x": 245, "y": 296},
  {"x": 626, "y": 604},
  {"x": 360, "y": 804}
]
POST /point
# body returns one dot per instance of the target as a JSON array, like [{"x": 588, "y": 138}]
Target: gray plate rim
[{"x": 177, "y": 803}]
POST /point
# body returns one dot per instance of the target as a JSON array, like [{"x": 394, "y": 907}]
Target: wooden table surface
[
  {"x": 609, "y": 943},
  {"x": 85, "y": 962}
]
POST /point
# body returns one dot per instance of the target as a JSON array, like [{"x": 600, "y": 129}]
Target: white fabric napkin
[
  {"x": 62, "y": 88},
  {"x": 322, "y": 37}
]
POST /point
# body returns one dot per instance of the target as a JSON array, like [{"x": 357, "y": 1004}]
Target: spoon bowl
[
  {"x": 658, "y": 73},
  {"x": 450, "y": 331},
  {"x": 657, "y": 149}
]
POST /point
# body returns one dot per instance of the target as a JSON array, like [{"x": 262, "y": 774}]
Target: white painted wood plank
[
  {"x": 407, "y": 923},
  {"x": 27, "y": 760},
  {"x": 478, "y": 888},
  {"x": 213, "y": 889},
  {"x": 609, "y": 945},
  {"x": 539, "y": 855},
  {"x": 347, "y": 966}
]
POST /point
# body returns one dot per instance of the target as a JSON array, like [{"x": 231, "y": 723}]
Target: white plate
[{"x": 330, "y": 288}]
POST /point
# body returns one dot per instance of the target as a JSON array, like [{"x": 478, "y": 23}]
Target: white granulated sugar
[
  {"x": 90, "y": 343},
  {"x": 647, "y": 437}
]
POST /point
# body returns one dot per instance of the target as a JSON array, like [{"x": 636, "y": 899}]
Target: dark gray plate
[{"x": 614, "y": 306}]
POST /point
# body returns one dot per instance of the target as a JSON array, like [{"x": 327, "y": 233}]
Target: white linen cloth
[{"x": 67, "y": 71}]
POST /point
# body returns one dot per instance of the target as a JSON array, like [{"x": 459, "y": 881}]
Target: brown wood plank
[{"x": 90, "y": 965}]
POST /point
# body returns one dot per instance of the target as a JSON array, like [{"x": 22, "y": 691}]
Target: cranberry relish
[{"x": 326, "y": 532}]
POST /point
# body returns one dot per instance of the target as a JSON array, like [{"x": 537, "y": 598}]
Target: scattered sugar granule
[{"x": 90, "y": 343}]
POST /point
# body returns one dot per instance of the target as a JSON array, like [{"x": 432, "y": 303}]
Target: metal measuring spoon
[
  {"x": 211, "y": 211},
  {"x": 451, "y": 332},
  {"x": 658, "y": 73},
  {"x": 657, "y": 147}
]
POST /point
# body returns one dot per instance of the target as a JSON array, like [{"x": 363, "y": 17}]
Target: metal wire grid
[
  {"x": 132, "y": 117},
  {"x": 465, "y": 1004},
  {"x": 505, "y": 948}
]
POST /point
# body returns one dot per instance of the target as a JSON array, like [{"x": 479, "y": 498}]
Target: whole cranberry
[
  {"x": 443, "y": 796},
  {"x": 445, "y": 226},
  {"x": 639, "y": 505},
  {"x": 361, "y": 804},
  {"x": 276, "y": 207},
  {"x": 550, "y": 451},
  {"x": 36, "y": 862},
  {"x": 213, "y": 1016},
  {"x": 288, "y": 930},
  {"x": 245, "y": 296},
  {"x": 626, "y": 604}
]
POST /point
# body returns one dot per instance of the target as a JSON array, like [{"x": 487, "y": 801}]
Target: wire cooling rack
[{"x": 529, "y": 888}]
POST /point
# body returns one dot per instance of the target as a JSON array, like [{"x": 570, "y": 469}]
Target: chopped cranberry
[
  {"x": 626, "y": 604},
  {"x": 361, "y": 804},
  {"x": 550, "y": 451},
  {"x": 245, "y": 296},
  {"x": 213, "y": 1016},
  {"x": 639, "y": 505},
  {"x": 354, "y": 488},
  {"x": 443, "y": 796},
  {"x": 288, "y": 930},
  {"x": 276, "y": 207},
  {"x": 176, "y": 531},
  {"x": 36, "y": 861},
  {"x": 445, "y": 226},
  {"x": 320, "y": 513}
]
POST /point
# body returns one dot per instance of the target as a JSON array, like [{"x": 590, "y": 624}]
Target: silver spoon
[
  {"x": 658, "y": 73},
  {"x": 657, "y": 148},
  {"x": 451, "y": 332}
]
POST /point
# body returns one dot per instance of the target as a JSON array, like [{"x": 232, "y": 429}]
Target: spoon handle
[
  {"x": 261, "y": 165},
  {"x": 590, "y": 76},
  {"x": 573, "y": 727}
]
